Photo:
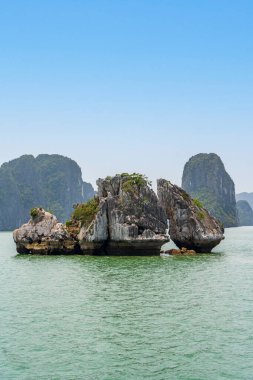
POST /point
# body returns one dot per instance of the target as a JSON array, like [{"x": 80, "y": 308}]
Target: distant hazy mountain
[
  {"x": 245, "y": 197},
  {"x": 205, "y": 178},
  {"x": 53, "y": 182},
  {"x": 245, "y": 213}
]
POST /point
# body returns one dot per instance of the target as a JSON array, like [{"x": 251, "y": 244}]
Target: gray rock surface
[
  {"x": 92, "y": 238},
  {"x": 190, "y": 225},
  {"x": 43, "y": 234},
  {"x": 130, "y": 220},
  {"x": 125, "y": 219}
]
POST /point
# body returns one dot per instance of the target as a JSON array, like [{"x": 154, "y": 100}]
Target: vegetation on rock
[
  {"x": 190, "y": 225},
  {"x": 134, "y": 180},
  {"x": 198, "y": 203},
  {"x": 201, "y": 215},
  {"x": 34, "y": 212},
  {"x": 85, "y": 213}
]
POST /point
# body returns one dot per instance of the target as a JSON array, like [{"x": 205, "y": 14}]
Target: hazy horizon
[{"x": 128, "y": 86}]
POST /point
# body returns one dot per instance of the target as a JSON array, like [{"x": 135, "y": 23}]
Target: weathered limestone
[
  {"x": 92, "y": 239},
  {"x": 127, "y": 220},
  {"x": 190, "y": 225},
  {"x": 130, "y": 220},
  {"x": 43, "y": 234}
]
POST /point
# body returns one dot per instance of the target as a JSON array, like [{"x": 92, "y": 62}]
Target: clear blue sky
[{"x": 128, "y": 85}]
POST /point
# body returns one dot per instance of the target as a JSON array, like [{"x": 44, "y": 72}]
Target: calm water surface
[{"x": 115, "y": 318}]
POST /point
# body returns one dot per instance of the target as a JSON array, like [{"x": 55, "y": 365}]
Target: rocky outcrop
[
  {"x": 190, "y": 224},
  {"x": 129, "y": 219},
  {"x": 52, "y": 181},
  {"x": 43, "y": 234},
  {"x": 206, "y": 179},
  {"x": 125, "y": 219},
  {"x": 180, "y": 252},
  {"x": 245, "y": 213}
]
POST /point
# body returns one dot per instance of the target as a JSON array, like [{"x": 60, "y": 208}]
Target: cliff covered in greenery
[
  {"x": 53, "y": 182},
  {"x": 206, "y": 179}
]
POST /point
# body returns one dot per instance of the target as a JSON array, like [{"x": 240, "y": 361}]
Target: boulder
[
  {"x": 190, "y": 224},
  {"x": 180, "y": 252},
  {"x": 43, "y": 234}
]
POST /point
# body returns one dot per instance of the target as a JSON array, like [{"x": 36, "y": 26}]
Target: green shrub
[
  {"x": 86, "y": 212},
  {"x": 198, "y": 203},
  {"x": 134, "y": 180},
  {"x": 34, "y": 212},
  {"x": 201, "y": 215},
  {"x": 185, "y": 196},
  {"x": 68, "y": 223}
]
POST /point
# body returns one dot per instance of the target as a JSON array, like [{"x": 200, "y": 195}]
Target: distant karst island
[
  {"x": 53, "y": 182},
  {"x": 244, "y": 206},
  {"x": 205, "y": 178}
]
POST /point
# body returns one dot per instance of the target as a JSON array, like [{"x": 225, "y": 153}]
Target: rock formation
[
  {"x": 53, "y": 182},
  {"x": 129, "y": 219},
  {"x": 180, "y": 252},
  {"x": 206, "y": 179},
  {"x": 190, "y": 224},
  {"x": 43, "y": 234},
  {"x": 245, "y": 197},
  {"x": 245, "y": 213},
  {"x": 124, "y": 219}
]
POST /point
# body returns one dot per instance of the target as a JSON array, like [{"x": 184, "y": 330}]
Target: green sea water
[{"x": 115, "y": 318}]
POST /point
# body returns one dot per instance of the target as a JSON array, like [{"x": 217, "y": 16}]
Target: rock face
[
  {"x": 129, "y": 219},
  {"x": 245, "y": 213},
  {"x": 190, "y": 225},
  {"x": 53, "y": 182},
  {"x": 43, "y": 234},
  {"x": 206, "y": 179}
]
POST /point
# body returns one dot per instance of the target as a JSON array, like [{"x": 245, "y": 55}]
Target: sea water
[{"x": 115, "y": 318}]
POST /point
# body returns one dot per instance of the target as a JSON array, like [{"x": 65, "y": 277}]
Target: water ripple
[{"x": 128, "y": 318}]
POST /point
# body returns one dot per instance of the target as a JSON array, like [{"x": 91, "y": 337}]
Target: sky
[{"x": 128, "y": 85}]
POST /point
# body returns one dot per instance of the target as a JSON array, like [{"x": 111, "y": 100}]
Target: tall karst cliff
[
  {"x": 50, "y": 181},
  {"x": 206, "y": 179}
]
